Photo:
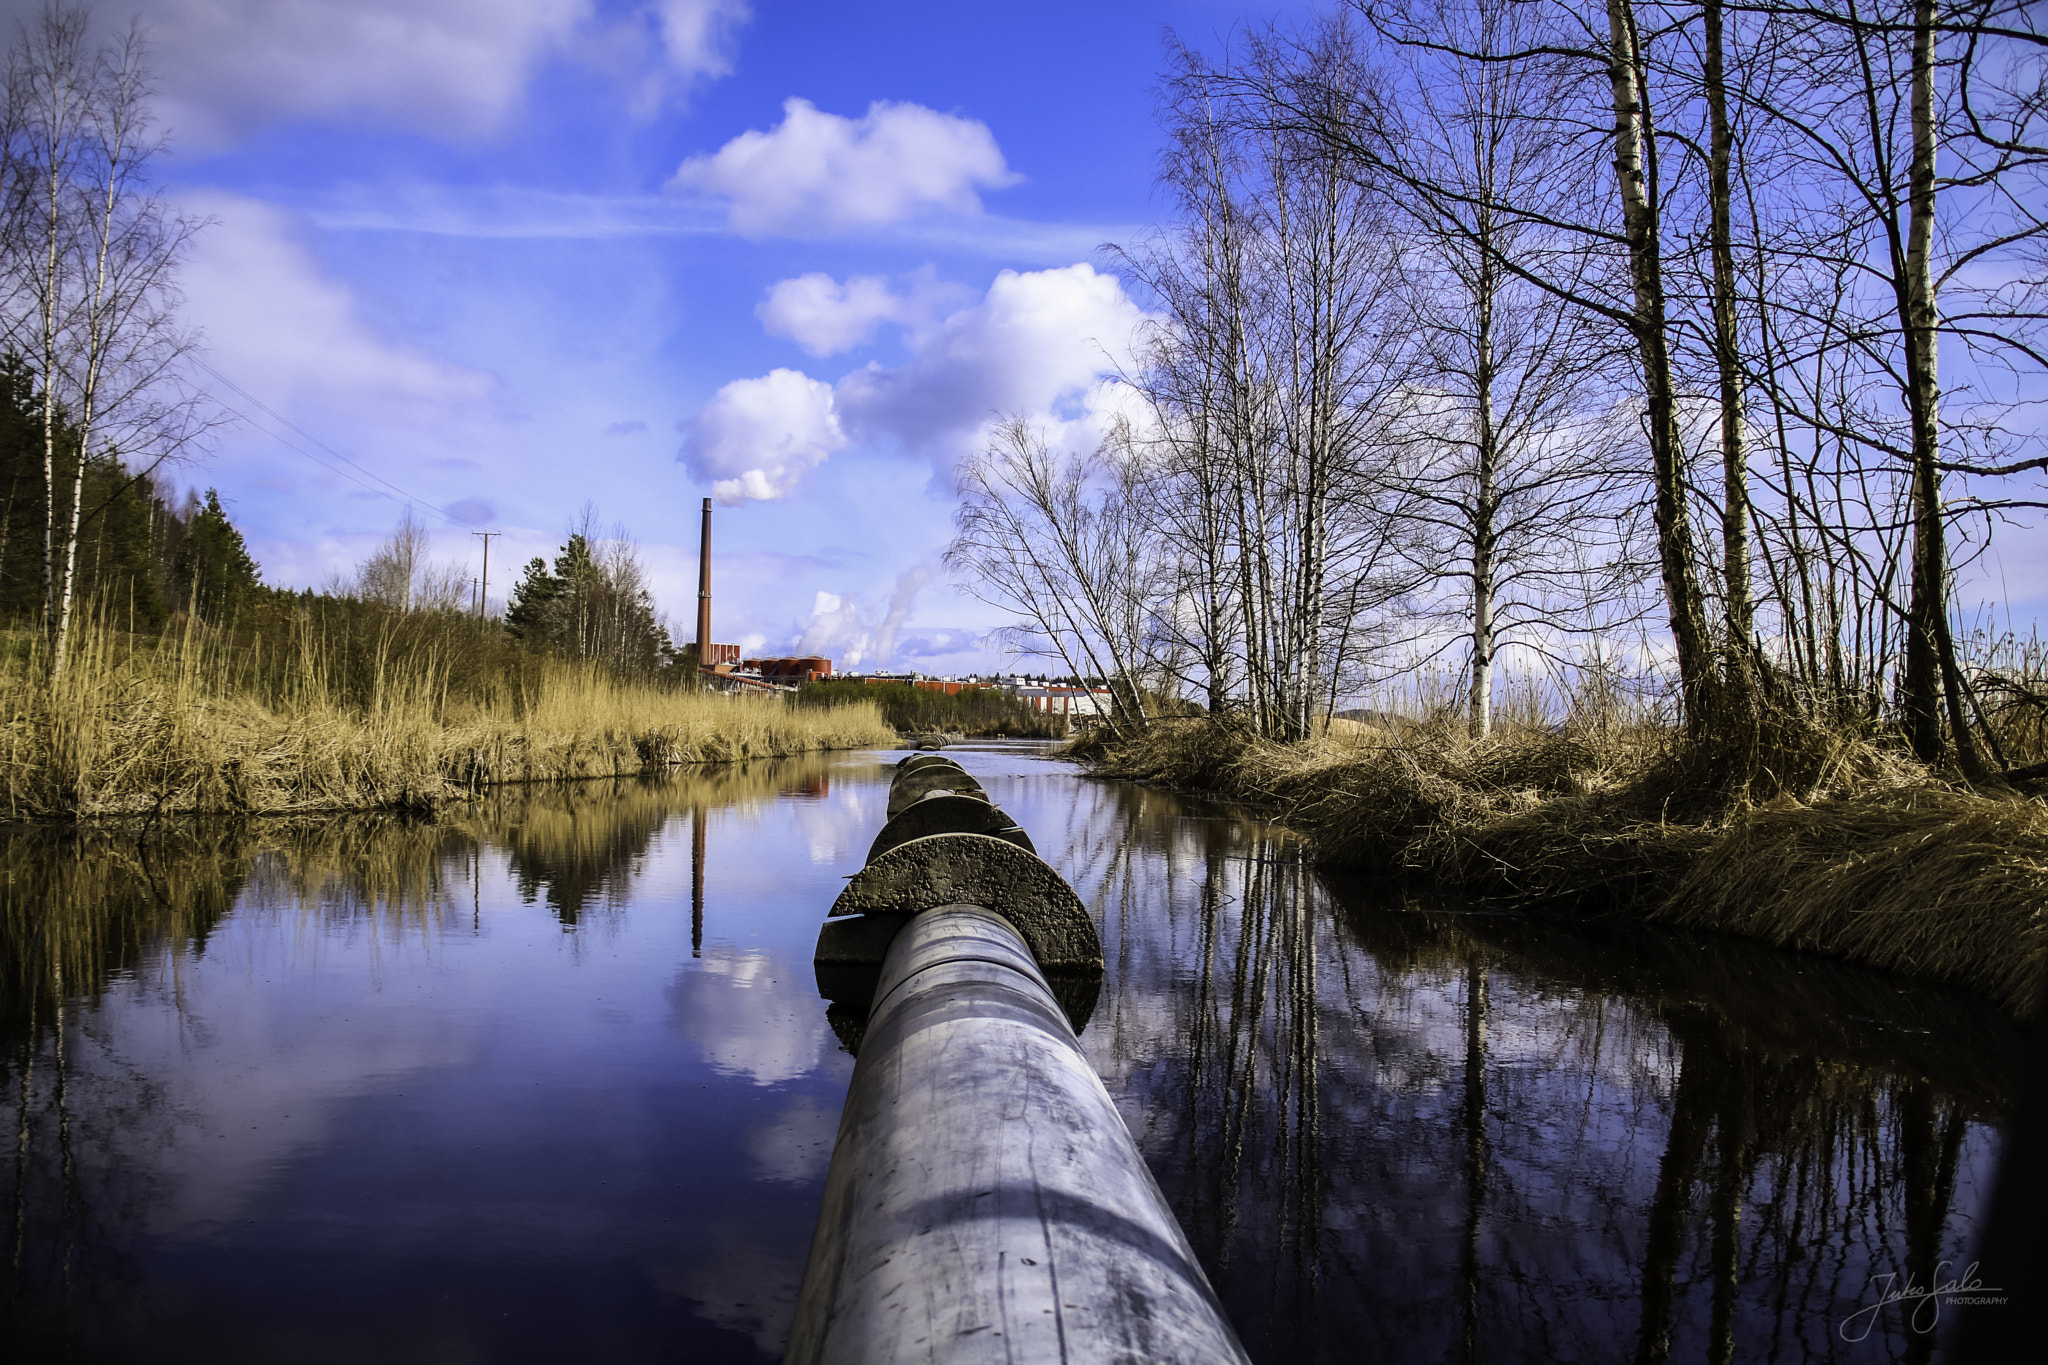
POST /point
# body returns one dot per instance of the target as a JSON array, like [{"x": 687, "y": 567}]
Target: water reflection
[
  {"x": 1406, "y": 1134},
  {"x": 549, "y": 1078},
  {"x": 338, "y": 1053}
]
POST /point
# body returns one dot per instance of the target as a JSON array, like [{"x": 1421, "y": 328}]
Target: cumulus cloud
[
  {"x": 825, "y": 317},
  {"x": 757, "y": 437},
  {"x": 456, "y": 68},
  {"x": 816, "y": 172},
  {"x": 280, "y": 326},
  {"x": 1039, "y": 343}
]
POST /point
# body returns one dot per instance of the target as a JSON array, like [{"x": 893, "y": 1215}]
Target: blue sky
[{"x": 515, "y": 256}]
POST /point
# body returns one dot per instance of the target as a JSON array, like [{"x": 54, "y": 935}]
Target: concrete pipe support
[{"x": 985, "y": 1201}]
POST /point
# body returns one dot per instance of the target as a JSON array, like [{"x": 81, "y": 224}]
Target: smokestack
[{"x": 704, "y": 591}]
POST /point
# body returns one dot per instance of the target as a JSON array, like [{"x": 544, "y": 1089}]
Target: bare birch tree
[
  {"x": 1059, "y": 541},
  {"x": 1518, "y": 468},
  {"x": 92, "y": 253}
]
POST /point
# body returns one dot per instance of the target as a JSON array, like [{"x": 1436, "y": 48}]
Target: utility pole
[{"x": 484, "y": 585}]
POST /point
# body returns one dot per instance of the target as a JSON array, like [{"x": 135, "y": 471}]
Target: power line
[{"x": 352, "y": 470}]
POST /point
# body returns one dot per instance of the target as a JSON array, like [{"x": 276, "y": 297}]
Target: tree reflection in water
[
  {"x": 1402, "y": 1133},
  {"x": 1393, "y": 1131},
  {"x": 84, "y": 911}
]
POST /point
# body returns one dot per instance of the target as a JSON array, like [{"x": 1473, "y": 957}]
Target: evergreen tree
[
  {"x": 592, "y": 604},
  {"x": 119, "y": 564},
  {"x": 21, "y": 493},
  {"x": 526, "y": 617},
  {"x": 214, "y": 574}
]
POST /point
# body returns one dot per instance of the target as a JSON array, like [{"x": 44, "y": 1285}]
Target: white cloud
[
  {"x": 457, "y": 68},
  {"x": 1040, "y": 343},
  {"x": 817, "y": 172},
  {"x": 278, "y": 325},
  {"x": 694, "y": 33},
  {"x": 757, "y": 437},
  {"x": 825, "y": 317}
]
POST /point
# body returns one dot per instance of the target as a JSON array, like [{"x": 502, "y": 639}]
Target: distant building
[
  {"x": 952, "y": 687},
  {"x": 789, "y": 672},
  {"x": 1065, "y": 701}
]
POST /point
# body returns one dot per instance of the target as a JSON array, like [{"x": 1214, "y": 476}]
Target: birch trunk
[
  {"x": 1484, "y": 503},
  {"x": 1932, "y": 678},
  {"x": 1740, "y": 609},
  {"x": 1485, "y": 494},
  {"x": 1675, "y": 549}
]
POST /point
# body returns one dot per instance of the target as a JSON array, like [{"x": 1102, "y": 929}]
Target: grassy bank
[
  {"x": 1847, "y": 849},
  {"x": 924, "y": 710},
  {"x": 199, "y": 721}
]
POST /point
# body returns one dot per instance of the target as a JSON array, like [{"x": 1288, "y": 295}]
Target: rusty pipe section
[{"x": 985, "y": 1200}]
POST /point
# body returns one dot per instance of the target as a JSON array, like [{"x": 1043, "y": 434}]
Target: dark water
[{"x": 549, "y": 1080}]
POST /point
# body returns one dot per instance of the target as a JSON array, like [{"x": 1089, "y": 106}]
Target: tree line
[
  {"x": 142, "y": 550},
  {"x": 1499, "y": 328}
]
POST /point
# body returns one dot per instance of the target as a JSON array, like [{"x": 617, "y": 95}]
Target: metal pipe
[{"x": 985, "y": 1200}]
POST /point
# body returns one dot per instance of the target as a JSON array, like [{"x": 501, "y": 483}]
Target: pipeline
[{"x": 985, "y": 1201}]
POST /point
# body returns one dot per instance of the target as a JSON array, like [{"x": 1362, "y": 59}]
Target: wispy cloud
[
  {"x": 509, "y": 211},
  {"x": 518, "y": 212},
  {"x": 452, "y": 69},
  {"x": 280, "y": 325}
]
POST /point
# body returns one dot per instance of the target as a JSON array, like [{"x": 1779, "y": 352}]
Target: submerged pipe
[{"x": 985, "y": 1200}]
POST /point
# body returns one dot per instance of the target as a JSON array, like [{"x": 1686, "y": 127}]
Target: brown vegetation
[
  {"x": 1831, "y": 843},
  {"x": 194, "y": 722}
]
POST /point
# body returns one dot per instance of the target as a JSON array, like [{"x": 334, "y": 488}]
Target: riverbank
[
  {"x": 1853, "y": 851},
  {"x": 181, "y": 727}
]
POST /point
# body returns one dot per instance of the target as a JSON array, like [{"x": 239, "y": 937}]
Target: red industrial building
[{"x": 810, "y": 668}]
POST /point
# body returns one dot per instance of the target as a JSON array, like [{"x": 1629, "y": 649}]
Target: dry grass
[
  {"x": 1827, "y": 842},
  {"x": 174, "y": 727},
  {"x": 1926, "y": 881}
]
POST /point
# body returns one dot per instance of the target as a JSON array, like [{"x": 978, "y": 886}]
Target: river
[{"x": 549, "y": 1079}]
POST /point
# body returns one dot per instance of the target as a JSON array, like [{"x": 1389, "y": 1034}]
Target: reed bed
[
  {"x": 195, "y": 723},
  {"x": 1925, "y": 881},
  {"x": 1832, "y": 842}
]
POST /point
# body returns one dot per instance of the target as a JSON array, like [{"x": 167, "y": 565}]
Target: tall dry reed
[{"x": 195, "y": 722}]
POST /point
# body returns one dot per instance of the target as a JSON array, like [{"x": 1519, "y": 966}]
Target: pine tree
[
  {"x": 214, "y": 574},
  {"x": 526, "y": 618}
]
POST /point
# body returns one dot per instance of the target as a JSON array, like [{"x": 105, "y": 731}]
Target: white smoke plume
[{"x": 845, "y": 629}]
